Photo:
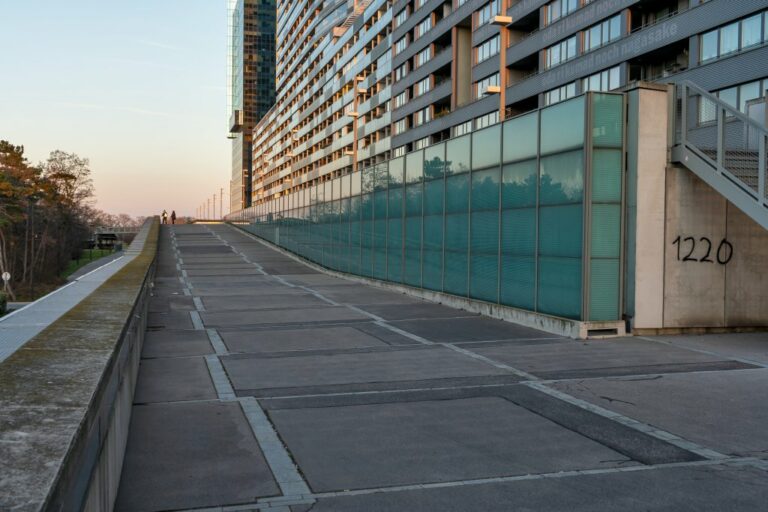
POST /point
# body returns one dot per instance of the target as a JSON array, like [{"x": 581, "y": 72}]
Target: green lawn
[{"x": 87, "y": 257}]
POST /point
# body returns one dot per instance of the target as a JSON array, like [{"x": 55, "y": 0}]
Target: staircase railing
[{"x": 724, "y": 147}]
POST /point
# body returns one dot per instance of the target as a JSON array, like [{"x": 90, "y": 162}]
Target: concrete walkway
[{"x": 266, "y": 385}]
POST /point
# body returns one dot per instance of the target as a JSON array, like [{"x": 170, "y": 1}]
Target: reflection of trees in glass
[
  {"x": 518, "y": 190},
  {"x": 487, "y": 188},
  {"x": 434, "y": 168}
]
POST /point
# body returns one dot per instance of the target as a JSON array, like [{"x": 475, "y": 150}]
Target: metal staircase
[{"x": 723, "y": 147}]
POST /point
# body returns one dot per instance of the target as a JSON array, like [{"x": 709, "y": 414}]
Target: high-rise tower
[{"x": 251, "y": 85}]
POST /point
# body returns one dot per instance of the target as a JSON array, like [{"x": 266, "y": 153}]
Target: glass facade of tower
[{"x": 251, "y": 80}]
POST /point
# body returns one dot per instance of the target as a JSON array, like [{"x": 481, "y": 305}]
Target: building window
[
  {"x": 399, "y": 151},
  {"x": 423, "y": 27},
  {"x": 400, "y": 72},
  {"x": 737, "y": 97},
  {"x": 401, "y": 17},
  {"x": 560, "y": 52},
  {"x": 602, "y": 33},
  {"x": 487, "y": 50},
  {"x": 734, "y": 37},
  {"x": 401, "y": 99},
  {"x": 462, "y": 129},
  {"x": 421, "y": 143},
  {"x": 422, "y": 116},
  {"x": 486, "y": 120},
  {"x": 401, "y": 44},
  {"x": 422, "y": 57},
  {"x": 422, "y": 86},
  {"x": 604, "y": 81},
  {"x": 556, "y": 9},
  {"x": 400, "y": 126},
  {"x": 482, "y": 85},
  {"x": 487, "y": 12},
  {"x": 560, "y": 94}
]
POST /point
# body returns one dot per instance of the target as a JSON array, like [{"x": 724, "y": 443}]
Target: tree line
[{"x": 46, "y": 216}]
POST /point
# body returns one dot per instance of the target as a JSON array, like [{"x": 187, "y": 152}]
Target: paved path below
[{"x": 266, "y": 385}]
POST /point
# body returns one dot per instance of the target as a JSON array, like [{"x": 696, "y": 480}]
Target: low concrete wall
[{"x": 65, "y": 396}]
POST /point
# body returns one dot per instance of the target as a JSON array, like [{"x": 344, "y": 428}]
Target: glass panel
[
  {"x": 433, "y": 252},
  {"x": 356, "y": 183},
  {"x": 367, "y": 179},
  {"x": 457, "y": 159},
  {"x": 729, "y": 39},
  {"x": 434, "y": 161},
  {"x": 560, "y": 230},
  {"x": 521, "y": 137},
  {"x": 485, "y": 255},
  {"x": 456, "y": 248},
  {"x": 560, "y": 287},
  {"x": 730, "y": 96},
  {"x": 485, "y": 190},
  {"x": 486, "y": 147},
  {"x": 381, "y": 177},
  {"x": 562, "y": 178},
  {"x": 396, "y": 172},
  {"x": 748, "y": 92},
  {"x": 562, "y": 126},
  {"x": 457, "y": 193},
  {"x": 606, "y": 175},
  {"x": 604, "y": 290},
  {"x": 607, "y": 120},
  {"x": 751, "y": 31},
  {"x": 519, "y": 184},
  {"x": 606, "y": 230},
  {"x": 709, "y": 46},
  {"x": 413, "y": 167}
]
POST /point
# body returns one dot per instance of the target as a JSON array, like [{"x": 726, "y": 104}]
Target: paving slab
[
  {"x": 251, "y": 372},
  {"x": 170, "y": 343},
  {"x": 363, "y": 295},
  {"x": 316, "y": 338},
  {"x": 282, "y": 316},
  {"x": 191, "y": 455},
  {"x": 726, "y": 410},
  {"x": 215, "y": 272},
  {"x": 684, "y": 489},
  {"x": 173, "y": 380},
  {"x": 169, "y": 320},
  {"x": 287, "y": 301},
  {"x": 452, "y": 330},
  {"x": 750, "y": 346},
  {"x": 382, "y": 445},
  {"x": 576, "y": 359},
  {"x": 413, "y": 311}
]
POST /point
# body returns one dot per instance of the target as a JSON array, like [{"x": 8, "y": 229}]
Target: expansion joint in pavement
[{"x": 634, "y": 424}]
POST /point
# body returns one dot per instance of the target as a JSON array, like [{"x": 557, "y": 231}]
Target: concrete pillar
[{"x": 647, "y": 159}]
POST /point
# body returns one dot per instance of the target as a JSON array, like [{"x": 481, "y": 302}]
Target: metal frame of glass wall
[{"x": 528, "y": 213}]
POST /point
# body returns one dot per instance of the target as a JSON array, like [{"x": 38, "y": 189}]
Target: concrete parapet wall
[{"x": 65, "y": 396}]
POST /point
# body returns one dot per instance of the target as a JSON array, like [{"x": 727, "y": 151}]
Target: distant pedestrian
[
  {"x": 165, "y": 217},
  {"x": 173, "y": 217}
]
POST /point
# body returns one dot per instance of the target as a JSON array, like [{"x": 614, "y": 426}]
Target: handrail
[
  {"x": 727, "y": 150},
  {"x": 726, "y": 106}
]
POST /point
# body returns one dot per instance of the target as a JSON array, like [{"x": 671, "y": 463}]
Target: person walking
[
  {"x": 165, "y": 217},
  {"x": 173, "y": 217}
]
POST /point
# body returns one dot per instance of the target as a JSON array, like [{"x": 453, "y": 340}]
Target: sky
[{"x": 138, "y": 87}]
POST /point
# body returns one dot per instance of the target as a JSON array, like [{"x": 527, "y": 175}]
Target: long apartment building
[{"x": 362, "y": 81}]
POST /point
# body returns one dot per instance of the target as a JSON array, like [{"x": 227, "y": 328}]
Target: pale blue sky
[{"x": 137, "y": 86}]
